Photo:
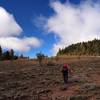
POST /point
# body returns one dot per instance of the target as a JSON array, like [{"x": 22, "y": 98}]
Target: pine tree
[
  {"x": 6, "y": 55},
  {"x": 90, "y": 48},
  {"x": 0, "y": 53},
  {"x": 11, "y": 54}
]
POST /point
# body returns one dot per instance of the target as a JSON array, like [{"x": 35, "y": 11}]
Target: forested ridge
[{"x": 90, "y": 48}]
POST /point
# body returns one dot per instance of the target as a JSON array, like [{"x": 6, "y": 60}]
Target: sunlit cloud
[
  {"x": 10, "y": 32},
  {"x": 23, "y": 44},
  {"x": 73, "y": 23},
  {"x": 8, "y": 25}
]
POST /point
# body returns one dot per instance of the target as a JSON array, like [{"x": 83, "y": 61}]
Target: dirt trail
[{"x": 67, "y": 92}]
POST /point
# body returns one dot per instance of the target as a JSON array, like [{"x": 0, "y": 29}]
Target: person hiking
[{"x": 65, "y": 72}]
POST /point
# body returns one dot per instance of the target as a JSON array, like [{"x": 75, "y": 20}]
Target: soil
[{"x": 27, "y": 80}]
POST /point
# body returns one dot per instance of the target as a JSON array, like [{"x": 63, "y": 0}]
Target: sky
[{"x": 33, "y": 26}]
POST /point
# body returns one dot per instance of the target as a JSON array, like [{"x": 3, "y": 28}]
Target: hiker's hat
[{"x": 65, "y": 66}]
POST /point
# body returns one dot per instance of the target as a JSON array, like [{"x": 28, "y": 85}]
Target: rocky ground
[{"x": 26, "y": 80}]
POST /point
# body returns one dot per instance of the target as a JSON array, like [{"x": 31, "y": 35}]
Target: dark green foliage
[
  {"x": 15, "y": 57},
  {"x": 90, "y": 48},
  {"x": 11, "y": 54},
  {"x": 7, "y": 55},
  {"x": 0, "y": 52}
]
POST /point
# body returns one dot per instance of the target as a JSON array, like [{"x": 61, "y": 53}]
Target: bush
[{"x": 40, "y": 57}]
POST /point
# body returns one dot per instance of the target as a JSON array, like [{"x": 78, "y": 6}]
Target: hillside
[
  {"x": 26, "y": 80},
  {"x": 90, "y": 48}
]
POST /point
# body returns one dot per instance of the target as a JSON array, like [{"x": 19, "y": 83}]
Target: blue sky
[
  {"x": 24, "y": 12},
  {"x": 27, "y": 12}
]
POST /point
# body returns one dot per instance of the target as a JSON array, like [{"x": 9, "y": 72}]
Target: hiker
[{"x": 65, "y": 72}]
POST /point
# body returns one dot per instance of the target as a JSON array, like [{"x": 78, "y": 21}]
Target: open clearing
[{"x": 26, "y": 80}]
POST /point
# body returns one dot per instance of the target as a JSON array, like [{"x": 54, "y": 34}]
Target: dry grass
[{"x": 26, "y": 80}]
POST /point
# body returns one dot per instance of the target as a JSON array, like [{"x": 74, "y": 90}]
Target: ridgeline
[{"x": 90, "y": 48}]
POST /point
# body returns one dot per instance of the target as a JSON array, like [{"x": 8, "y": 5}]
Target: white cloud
[
  {"x": 10, "y": 32},
  {"x": 39, "y": 22},
  {"x": 74, "y": 23},
  {"x": 18, "y": 44},
  {"x": 8, "y": 25}
]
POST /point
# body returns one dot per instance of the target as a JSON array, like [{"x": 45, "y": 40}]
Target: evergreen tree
[
  {"x": 11, "y": 54},
  {"x": 21, "y": 56},
  {"x": 6, "y": 55},
  {"x": 0, "y": 53},
  {"x": 90, "y": 48}
]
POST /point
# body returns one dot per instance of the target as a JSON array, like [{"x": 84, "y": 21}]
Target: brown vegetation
[{"x": 27, "y": 80}]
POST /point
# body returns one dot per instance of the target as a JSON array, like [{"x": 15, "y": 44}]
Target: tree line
[
  {"x": 90, "y": 48},
  {"x": 7, "y": 55}
]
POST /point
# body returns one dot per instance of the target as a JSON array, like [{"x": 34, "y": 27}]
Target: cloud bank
[
  {"x": 8, "y": 25},
  {"x": 18, "y": 44},
  {"x": 10, "y": 32},
  {"x": 74, "y": 23}
]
